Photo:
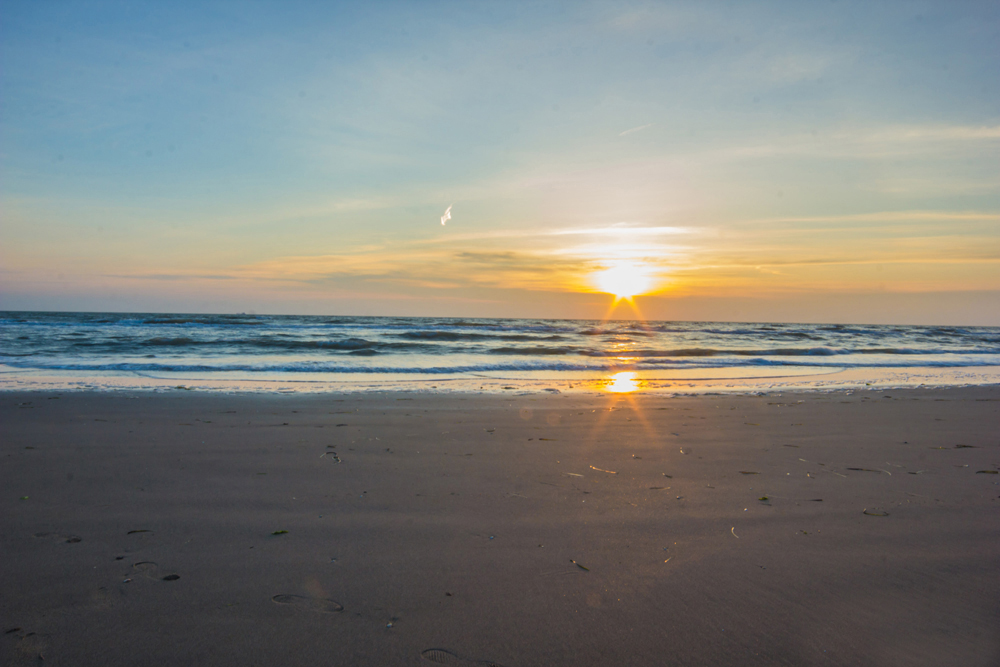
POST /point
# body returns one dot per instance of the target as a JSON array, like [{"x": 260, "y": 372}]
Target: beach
[
  {"x": 491, "y": 334},
  {"x": 839, "y": 528}
]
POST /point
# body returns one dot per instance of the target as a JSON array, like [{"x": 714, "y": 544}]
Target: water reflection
[{"x": 623, "y": 383}]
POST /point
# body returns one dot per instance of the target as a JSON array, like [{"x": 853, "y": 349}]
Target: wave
[
  {"x": 530, "y": 351},
  {"x": 780, "y": 352},
  {"x": 171, "y": 342},
  {"x": 207, "y": 343},
  {"x": 472, "y": 323},
  {"x": 459, "y": 369},
  {"x": 303, "y": 368},
  {"x": 448, "y": 336},
  {"x": 277, "y": 342},
  {"x": 693, "y": 352},
  {"x": 205, "y": 321},
  {"x": 342, "y": 344},
  {"x": 616, "y": 332},
  {"x": 434, "y": 343}
]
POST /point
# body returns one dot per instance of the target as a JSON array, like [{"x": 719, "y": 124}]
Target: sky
[{"x": 825, "y": 161}]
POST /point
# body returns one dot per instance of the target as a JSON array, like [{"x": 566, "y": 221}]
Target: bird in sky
[{"x": 447, "y": 215}]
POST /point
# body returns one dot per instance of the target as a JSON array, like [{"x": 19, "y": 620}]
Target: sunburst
[{"x": 624, "y": 279}]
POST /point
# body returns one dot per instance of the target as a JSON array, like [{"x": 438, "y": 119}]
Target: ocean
[{"x": 320, "y": 353}]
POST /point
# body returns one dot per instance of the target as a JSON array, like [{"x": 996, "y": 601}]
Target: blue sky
[{"x": 827, "y": 161}]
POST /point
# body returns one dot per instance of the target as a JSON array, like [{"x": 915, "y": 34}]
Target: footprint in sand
[
  {"x": 321, "y": 605},
  {"x": 30, "y": 649},
  {"x": 69, "y": 539},
  {"x": 443, "y": 657},
  {"x": 152, "y": 570}
]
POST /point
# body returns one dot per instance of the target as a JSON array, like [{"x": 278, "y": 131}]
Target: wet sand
[{"x": 422, "y": 529}]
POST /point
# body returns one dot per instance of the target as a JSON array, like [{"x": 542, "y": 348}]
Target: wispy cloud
[
  {"x": 635, "y": 129},
  {"x": 795, "y": 67},
  {"x": 621, "y": 231},
  {"x": 867, "y": 142},
  {"x": 892, "y": 216},
  {"x": 936, "y": 133},
  {"x": 180, "y": 276}
]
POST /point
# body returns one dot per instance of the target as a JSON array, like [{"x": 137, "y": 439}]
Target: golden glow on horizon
[
  {"x": 624, "y": 280},
  {"x": 623, "y": 383}
]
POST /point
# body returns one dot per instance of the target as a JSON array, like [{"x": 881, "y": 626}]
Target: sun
[{"x": 624, "y": 280}]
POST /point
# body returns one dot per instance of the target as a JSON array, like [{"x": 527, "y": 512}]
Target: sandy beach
[{"x": 200, "y": 528}]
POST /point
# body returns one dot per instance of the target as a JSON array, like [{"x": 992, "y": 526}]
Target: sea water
[{"x": 322, "y": 353}]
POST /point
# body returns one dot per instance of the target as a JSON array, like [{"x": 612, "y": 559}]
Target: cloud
[
  {"x": 937, "y": 133},
  {"x": 872, "y": 142},
  {"x": 891, "y": 216},
  {"x": 635, "y": 129},
  {"x": 621, "y": 230},
  {"x": 169, "y": 276}
]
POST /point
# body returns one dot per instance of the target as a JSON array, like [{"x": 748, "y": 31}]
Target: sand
[{"x": 422, "y": 529}]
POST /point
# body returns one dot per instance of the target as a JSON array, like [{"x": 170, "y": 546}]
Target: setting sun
[{"x": 624, "y": 280}]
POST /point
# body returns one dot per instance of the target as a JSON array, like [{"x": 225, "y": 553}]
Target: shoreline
[
  {"x": 736, "y": 381},
  {"x": 430, "y": 521}
]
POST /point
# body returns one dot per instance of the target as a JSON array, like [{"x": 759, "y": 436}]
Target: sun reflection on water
[{"x": 623, "y": 383}]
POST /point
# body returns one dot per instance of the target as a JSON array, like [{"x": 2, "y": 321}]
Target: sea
[{"x": 250, "y": 352}]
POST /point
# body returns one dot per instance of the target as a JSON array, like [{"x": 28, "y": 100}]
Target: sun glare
[
  {"x": 624, "y": 280},
  {"x": 623, "y": 383}
]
